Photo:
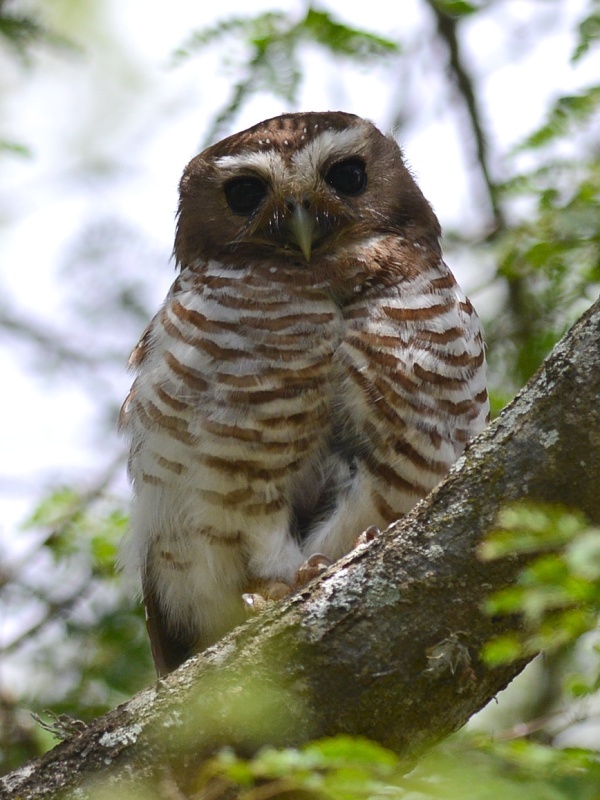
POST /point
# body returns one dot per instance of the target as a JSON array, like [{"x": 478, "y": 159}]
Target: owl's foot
[{"x": 263, "y": 593}]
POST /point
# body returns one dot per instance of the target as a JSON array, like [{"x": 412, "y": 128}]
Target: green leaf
[
  {"x": 505, "y": 601},
  {"x": 23, "y": 31},
  {"x": 340, "y": 39},
  {"x": 457, "y": 8},
  {"x": 568, "y": 111},
  {"x": 577, "y": 685},
  {"x": 54, "y": 509},
  {"x": 528, "y": 528},
  {"x": 16, "y": 148},
  {"x": 589, "y": 34},
  {"x": 502, "y": 650},
  {"x": 352, "y": 750},
  {"x": 583, "y": 556},
  {"x": 20, "y": 31}
]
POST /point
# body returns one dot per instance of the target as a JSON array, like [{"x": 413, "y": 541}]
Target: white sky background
[{"x": 111, "y": 128}]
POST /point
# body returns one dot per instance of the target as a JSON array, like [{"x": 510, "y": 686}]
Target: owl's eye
[
  {"x": 348, "y": 177},
  {"x": 244, "y": 195}
]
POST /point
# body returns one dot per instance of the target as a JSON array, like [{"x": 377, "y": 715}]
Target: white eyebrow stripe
[
  {"x": 306, "y": 163},
  {"x": 344, "y": 144},
  {"x": 266, "y": 162}
]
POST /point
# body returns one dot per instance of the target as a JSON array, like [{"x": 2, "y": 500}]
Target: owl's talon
[
  {"x": 311, "y": 568},
  {"x": 372, "y": 532},
  {"x": 254, "y": 603},
  {"x": 267, "y": 592}
]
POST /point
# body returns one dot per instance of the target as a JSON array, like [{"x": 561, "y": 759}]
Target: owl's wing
[{"x": 168, "y": 650}]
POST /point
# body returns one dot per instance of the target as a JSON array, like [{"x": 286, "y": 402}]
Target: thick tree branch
[{"x": 386, "y": 644}]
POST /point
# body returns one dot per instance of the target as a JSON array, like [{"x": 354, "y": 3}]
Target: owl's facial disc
[
  {"x": 300, "y": 201},
  {"x": 293, "y": 222}
]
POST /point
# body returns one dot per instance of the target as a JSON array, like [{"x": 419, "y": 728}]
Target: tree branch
[
  {"x": 447, "y": 31},
  {"x": 386, "y": 644}
]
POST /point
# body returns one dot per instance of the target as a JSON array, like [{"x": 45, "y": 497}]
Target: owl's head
[{"x": 298, "y": 187}]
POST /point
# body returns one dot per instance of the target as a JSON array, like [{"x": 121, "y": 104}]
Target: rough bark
[{"x": 386, "y": 643}]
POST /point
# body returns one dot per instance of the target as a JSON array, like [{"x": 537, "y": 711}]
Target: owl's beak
[{"x": 304, "y": 229}]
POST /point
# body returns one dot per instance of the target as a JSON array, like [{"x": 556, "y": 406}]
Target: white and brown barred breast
[{"x": 274, "y": 417}]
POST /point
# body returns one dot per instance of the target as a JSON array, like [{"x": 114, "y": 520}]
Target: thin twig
[{"x": 447, "y": 30}]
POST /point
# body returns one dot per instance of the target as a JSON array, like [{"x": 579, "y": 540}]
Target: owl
[{"x": 314, "y": 370}]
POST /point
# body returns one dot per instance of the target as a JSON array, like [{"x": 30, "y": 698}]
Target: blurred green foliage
[
  {"x": 20, "y": 31},
  {"x": 86, "y": 647},
  {"x": 272, "y": 55},
  {"x": 558, "y": 592},
  {"x": 465, "y": 767},
  {"x": 548, "y": 260}
]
